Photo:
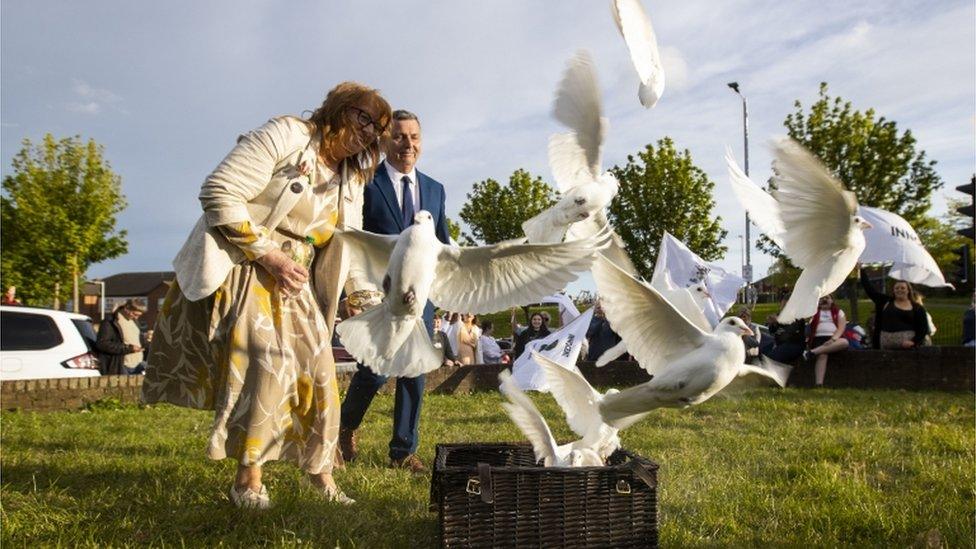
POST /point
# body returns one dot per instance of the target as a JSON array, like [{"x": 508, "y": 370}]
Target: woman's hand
[
  {"x": 907, "y": 344},
  {"x": 290, "y": 275}
]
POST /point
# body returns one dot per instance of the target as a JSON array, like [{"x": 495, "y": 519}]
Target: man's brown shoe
[
  {"x": 411, "y": 462},
  {"x": 347, "y": 444}
]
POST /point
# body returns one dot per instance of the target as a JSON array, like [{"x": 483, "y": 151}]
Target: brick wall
[{"x": 933, "y": 368}]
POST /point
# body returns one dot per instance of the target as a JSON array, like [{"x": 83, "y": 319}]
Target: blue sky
[{"x": 166, "y": 87}]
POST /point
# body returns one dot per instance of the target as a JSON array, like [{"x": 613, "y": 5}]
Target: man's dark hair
[{"x": 401, "y": 114}]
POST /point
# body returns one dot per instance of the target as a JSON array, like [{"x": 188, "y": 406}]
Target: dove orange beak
[{"x": 748, "y": 332}]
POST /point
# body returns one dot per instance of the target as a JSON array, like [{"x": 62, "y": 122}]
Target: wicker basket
[{"x": 495, "y": 495}]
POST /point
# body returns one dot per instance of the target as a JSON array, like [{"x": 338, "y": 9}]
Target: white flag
[
  {"x": 678, "y": 267},
  {"x": 562, "y": 346},
  {"x": 893, "y": 240},
  {"x": 567, "y": 309}
]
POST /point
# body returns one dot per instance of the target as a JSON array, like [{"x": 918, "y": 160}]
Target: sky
[{"x": 166, "y": 87}]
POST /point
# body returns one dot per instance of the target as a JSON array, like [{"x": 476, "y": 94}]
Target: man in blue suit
[{"x": 391, "y": 199}]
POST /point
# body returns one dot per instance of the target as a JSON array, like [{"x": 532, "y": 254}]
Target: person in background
[
  {"x": 751, "y": 342},
  {"x": 467, "y": 339},
  {"x": 789, "y": 339},
  {"x": 488, "y": 350},
  {"x": 900, "y": 320},
  {"x": 536, "y": 330},
  {"x": 119, "y": 341},
  {"x": 826, "y": 336},
  {"x": 10, "y": 297},
  {"x": 599, "y": 336},
  {"x": 969, "y": 325},
  {"x": 439, "y": 339},
  {"x": 516, "y": 327}
]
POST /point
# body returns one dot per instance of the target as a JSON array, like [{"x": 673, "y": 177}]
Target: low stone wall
[
  {"x": 67, "y": 393},
  {"x": 932, "y": 368}
]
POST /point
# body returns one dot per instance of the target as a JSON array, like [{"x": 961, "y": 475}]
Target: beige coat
[{"x": 259, "y": 182}]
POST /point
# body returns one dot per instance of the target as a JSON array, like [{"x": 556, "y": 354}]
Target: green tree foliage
[
  {"x": 58, "y": 210},
  {"x": 495, "y": 212},
  {"x": 940, "y": 238},
  {"x": 869, "y": 155},
  {"x": 662, "y": 190}
]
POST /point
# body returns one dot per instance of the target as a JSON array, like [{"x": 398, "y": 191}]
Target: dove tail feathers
[
  {"x": 390, "y": 346},
  {"x": 540, "y": 230}
]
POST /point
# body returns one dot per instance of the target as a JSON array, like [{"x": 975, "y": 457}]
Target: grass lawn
[{"x": 791, "y": 468}]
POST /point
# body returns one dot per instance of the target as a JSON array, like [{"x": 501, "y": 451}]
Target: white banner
[
  {"x": 567, "y": 309},
  {"x": 678, "y": 267},
  {"x": 893, "y": 240},
  {"x": 562, "y": 346}
]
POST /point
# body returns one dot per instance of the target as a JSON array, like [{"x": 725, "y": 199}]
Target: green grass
[{"x": 790, "y": 468}]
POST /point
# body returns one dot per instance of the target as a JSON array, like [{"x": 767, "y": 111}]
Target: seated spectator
[
  {"x": 969, "y": 325},
  {"x": 467, "y": 339},
  {"x": 119, "y": 341},
  {"x": 439, "y": 339},
  {"x": 789, "y": 340},
  {"x": 599, "y": 336},
  {"x": 488, "y": 350},
  {"x": 752, "y": 342},
  {"x": 10, "y": 297},
  {"x": 900, "y": 320},
  {"x": 826, "y": 336},
  {"x": 536, "y": 330}
]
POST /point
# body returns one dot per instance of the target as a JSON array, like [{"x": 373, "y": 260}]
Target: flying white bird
[
  {"x": 689, "y": 301},
  {"x": 575, "y": 156},
  {"x": 414, "y": 266},
  {"x": 635, "y": 27},
  {"x": 688, "y": 365},
  {"x": 533, "y": 425},
  {"x": 810, "y": 216}
]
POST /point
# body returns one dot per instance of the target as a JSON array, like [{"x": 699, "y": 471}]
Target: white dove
[
  {"x": 527, "y": 418},
  {"x": 575, "y": 156},
  {"x": 810, "y": 216},
  {"x": 414, "y": 266},
  {"x": 688, "y": 365},
  {"x": 689, "y": 301},
  {"x": 635, "y": 27}
]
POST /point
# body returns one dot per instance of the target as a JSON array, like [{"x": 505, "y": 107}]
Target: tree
[
  {"x": 879, "y": 165},
  {"x": 496, "y": 213},
  {"x": 940, "y": 238},
  {"x": 58, "y": 214},
  {"x": 662, "y": 190}
]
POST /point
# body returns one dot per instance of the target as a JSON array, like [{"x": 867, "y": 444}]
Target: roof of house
[{"x": 135, "y": 284}]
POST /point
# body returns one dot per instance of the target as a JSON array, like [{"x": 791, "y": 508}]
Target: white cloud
[{"x": 90, "y": 100}]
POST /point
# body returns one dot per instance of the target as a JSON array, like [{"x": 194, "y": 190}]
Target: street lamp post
[{"x": 747, "y": 270}]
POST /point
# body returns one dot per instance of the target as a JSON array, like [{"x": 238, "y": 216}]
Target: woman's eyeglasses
[{"x": 365, "y": 120}]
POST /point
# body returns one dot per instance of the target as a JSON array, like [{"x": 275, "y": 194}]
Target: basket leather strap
[
  {"x": 484, "y": 477},
  {"x": 642, "y": 473}
]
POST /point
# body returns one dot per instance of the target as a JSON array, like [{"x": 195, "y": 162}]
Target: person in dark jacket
[
  {"x": 900, "y": 320},
  {"x": 537, "y": 329},
  {"x": 111, "y": 340},
  {"x": 600, "y": 335}
]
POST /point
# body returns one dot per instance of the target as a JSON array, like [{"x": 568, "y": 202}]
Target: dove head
[
  {"x": 700, "y": 292},
  {"x": 423, "y": 216},
  {"x": 861, "y": 223},
  {"x": 735, "y": 325}
]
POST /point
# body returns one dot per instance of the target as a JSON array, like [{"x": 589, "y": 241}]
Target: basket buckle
[
  {"x": 623, "y": 487},
  {"x": 473, "y": 487}
]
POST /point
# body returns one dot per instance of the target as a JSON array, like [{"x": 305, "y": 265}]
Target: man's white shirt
[{"x": 397, "y": 179}]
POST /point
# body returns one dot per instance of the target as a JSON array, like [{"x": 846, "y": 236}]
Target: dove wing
[
  {"x": 575, "y": 156},
  {"x": 812, "y": 203},
  {"x": 763, "y": 209},
  {"x": 776, "y": 371},
  {"x": 578, "y": 399},
  {"x": 655, "y": 332},
  {"x": 527, "y": 418},
  {"x": 635, "y": 27},
  {"x": 369, "y": 251},
  {"x": 491, "y": 278},
  {"x": 823, "y": 276},
  {"x": 616, "y": 251}
]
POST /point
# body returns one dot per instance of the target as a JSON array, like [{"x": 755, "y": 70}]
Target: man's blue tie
[{"x": 408, "y": 208}]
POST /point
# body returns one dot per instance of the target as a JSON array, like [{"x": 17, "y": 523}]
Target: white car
[{"x": 43, "y": 344}]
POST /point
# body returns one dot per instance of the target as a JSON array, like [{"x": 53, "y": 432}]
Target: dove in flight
[
  {"x": 635, "y": 26},
  {"x": 575, "y": 156},
  {"x": 810, "y": 216},
  {"x": 533, "y": 425},
  {"x": 414, "y": 266},
  {"x": 688, "y": 365}
]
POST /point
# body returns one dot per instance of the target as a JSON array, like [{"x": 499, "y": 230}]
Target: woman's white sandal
[{"x": 246, "y": 498}]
